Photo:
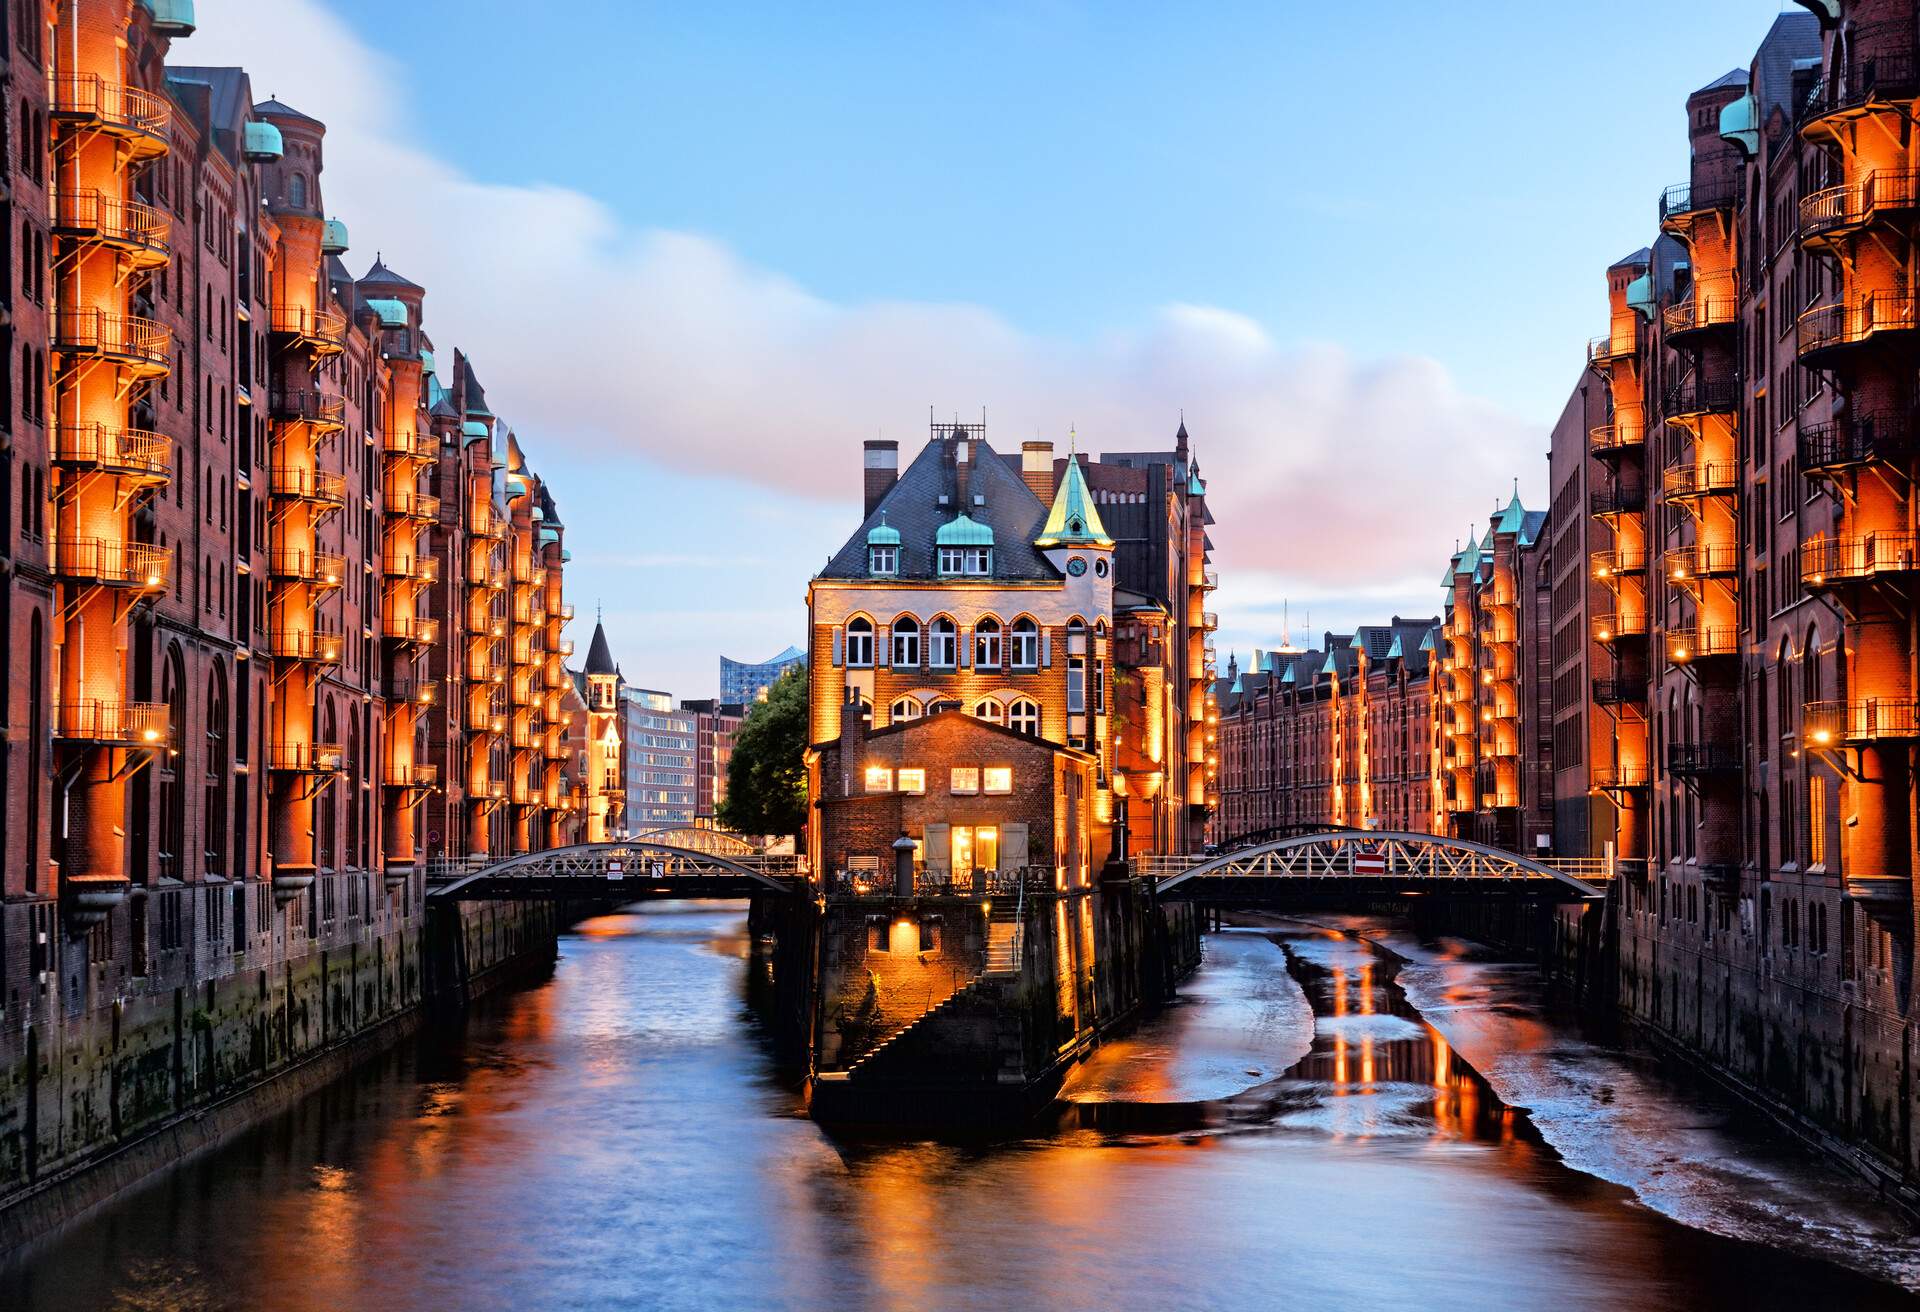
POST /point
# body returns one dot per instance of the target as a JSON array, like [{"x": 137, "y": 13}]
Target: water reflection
[{"x": 617, "y": 1138}]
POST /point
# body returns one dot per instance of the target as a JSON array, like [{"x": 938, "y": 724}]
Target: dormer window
[
  {"x": 963, "y": 548},
  {"x": 883, "y": 561},
  {"x": 975, "y": 562}
]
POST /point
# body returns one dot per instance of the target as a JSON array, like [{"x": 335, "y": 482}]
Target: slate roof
[
  {"x": 228, "y": 97},
  {"x": 1793, "y": 37},
  {"x": 279, "y": 109},
  {"x": 912, "y": 507},
  {"x": 382, "y": 276},
  {"x": 476, "y": 394},
  {"x": 1633, "y": 261},
  {"x": 1736, "y": 77},
  {"x": 599, "y": 654}
]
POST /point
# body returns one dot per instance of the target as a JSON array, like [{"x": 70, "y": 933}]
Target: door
[
  {"x": 962, "y": 849},
  {"x": 986, "y": 847}
]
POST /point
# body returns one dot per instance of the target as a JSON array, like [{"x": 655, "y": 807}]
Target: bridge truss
[
  {"x": 1380, "y": 860},
  {"x": 628, "y": 871}
]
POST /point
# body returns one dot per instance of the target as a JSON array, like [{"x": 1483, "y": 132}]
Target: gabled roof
[{"x": 1073, "y": 520}]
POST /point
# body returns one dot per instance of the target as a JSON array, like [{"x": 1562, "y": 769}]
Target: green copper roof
[
  {"x": 171, "y": 17},
  {"x": 549, "y": 534},
  {"x": 1330, "y": 667},
  {"x": 1640, "y": 295},
  {"x": 517, "y": 485},
  {"x": 1426, "y": 643},
  {"x": 965, "y": 531},
  {"x": 333, "y": 238},
  {"x": 474, "y": 428},
  {"x": 1469, "y": 558},
  {"x": 393, "y": 314},
  {"x": 426, "y": 363},
  {"x": 1196, "y": 486},
  {"x": 1073, "y": 521},
  {"x": 884, "y": 534},
  {"x": 1739, "y": 125},
  {"x": 1287, "y": 677},
  {"x": 1394, "y": 653},
  {"x": 1514, "y": 518},
  {"x": 261, "y": 142}
]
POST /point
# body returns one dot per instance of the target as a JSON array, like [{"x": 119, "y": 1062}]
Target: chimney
[
  {"x": 882, "y": 469},
  {"x": 853, "y": 744},
  {"x": 1036, "y": 469},
  {"x": 963, "y": 458}
]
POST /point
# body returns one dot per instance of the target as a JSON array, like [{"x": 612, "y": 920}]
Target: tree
[{"x": 767, "y": 777}]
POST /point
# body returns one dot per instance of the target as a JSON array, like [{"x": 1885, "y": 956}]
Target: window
[
  {"x": 997, "y": 780},
  {"x": 860, "y": 642},
  {"x": 974, "y": 561},
  {"x": 964, "y": 781},
  {"x": 879, "y": 779},
  {"x": 1099, "y": 687},
  {"x": 986, "y": 644},
  {"x": 1076, "y": 685},
  {"x": 903, "y": 708},
  {"x": 991, "y": 711},
  {"x": 1024, "y": 717},
  {"x": 911, "y": 779},
  {"x": 906, "y": 641},
  {"x": 1025, "y": 645},
  {"x": 943, "y": 644},
  {"x": 883, "y": 560},
  {"x": 949, "y": 560}
]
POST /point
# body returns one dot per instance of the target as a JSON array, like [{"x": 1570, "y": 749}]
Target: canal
[{"x": 1322, "y": 1121}]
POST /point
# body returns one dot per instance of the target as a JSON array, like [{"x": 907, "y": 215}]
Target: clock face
[{"x": 1077, "y": 566}]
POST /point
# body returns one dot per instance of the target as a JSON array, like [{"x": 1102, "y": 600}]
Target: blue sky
[{"x": 1319, "y": 228}]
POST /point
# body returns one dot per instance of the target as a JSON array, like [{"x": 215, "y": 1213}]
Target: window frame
[{"x": 963, "y": 781}]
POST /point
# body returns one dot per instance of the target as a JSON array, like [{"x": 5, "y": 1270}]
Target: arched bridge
[
  {"x": 1368, "y": 862},
  {"x": 629, "y": 871}
]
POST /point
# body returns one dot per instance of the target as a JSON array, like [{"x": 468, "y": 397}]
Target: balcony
[
  {"x": 1882, "y": 70},
  {"x": 484, "y": 667},
  {"x": 1685, "y": 646},
  {"x": 130, "y": 724},
  {"x": 1209, "y": 580},
  {"x": 319, "y": 486},
  {"x": 138, "y": 232},
  {"x": 1209, "y": 621},
  {"x": 1619, "y": 692},
  {"x": 1621, "y": 343},
  {"x": 134, "y": 565},
  {"x": 412, "y": 568},
  {"x": 1876, "y": 439},
  {"x": 1619, "y": 627},
  {"x": 413, "y": 692},
  {"x": 1827, "y": 563},
  {"x": 1713, "y": 560},
  {"x": 1874, "y": 720},
  {"x": 1679, "y": 203},
  {"x": 1700, "y": 760},
  {"x": 1828, "y": 215},
  {"x": 306, "y": 758},
  {"x": 408, "y": 504},
  {"x": 1715, "y": 303},
  {"x": 1606, "y": 503},
  {"x": 410, "y": 628},
  {"x": 415, "y": 774},
  {"x": 318, "y": 569},
  {"x": 486, "y": 574},
  {"x": 1616, "y": 439},
  {"x": 315, "y": 409},
  {"x": 140, "y": 120},
  {"x": 315, "y": 646},
  {"x": 321, "y": 331},
  {"x": 485, "y": 522},
  {"x": 140, "y": 346},
  {"x": 1695, "y": 397},
  {"x": 410, "y": 444},
  {"x": 1877, "y": 316},
  {"x": 125, "y": 452},
  {"x": 1691, "y": 480},
  {"x": 1611, "y": 565}
]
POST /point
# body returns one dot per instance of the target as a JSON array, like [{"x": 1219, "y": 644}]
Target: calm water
[{"x": 1295, "y": 1133}]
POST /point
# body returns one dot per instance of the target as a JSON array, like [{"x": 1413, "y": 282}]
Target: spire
[
  {"x": 599, "y": 653},
  {"x": 1073, "y": 521}
]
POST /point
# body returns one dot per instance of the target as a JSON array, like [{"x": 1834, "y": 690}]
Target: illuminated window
[
  {"x": 1816, "y": 822},
  {"x": 860, "y": 642},
  {"x": 903, "y": 708},
  {"x": 997, "y": 779},
  {"x": 986, "y": 644},
  {"x": 879, "y": 779},
  {"x": 1024, "y": 716},
  {"x": 912, "y": 779},
  {"x": 1024, "y": 646},
  {"x": 906, "y": 641},
  {"x": 990, "y": 711},
  {"x": 1076, "y": 685},
  {"x": 965, "y": 781}
]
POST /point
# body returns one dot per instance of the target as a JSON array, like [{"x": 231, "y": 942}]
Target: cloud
[{"x": 1328, "y": 472}]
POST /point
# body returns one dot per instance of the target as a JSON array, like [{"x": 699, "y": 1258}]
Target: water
[{"x": 1294, "y": 1133}]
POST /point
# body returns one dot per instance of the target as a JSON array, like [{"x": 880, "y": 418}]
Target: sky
[{"x": 698, "y": 253}]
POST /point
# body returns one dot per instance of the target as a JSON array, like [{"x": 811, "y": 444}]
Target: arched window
[
  {"x": 1024, "y": 716},
  {"x": 986, "y": 643},
  {"x": 1024, "y": 646},
  {"x": 1077, "y": 636},
  {"x": 906, "y": 641},
  {"x": 860, "y": 643},
  {"x": 328, "y": 812},
  {"x": 36, "y": 738},
  {"x": 297, "y": 191},
  {"x": 353, "y": 853},
  {"x": 173, "y": 810},
  {"x": 214, "y": 820},
  {"x": 943, "y": 644},
  {"x": 990, "y": 710},
  {"x": 903, "y": 708}
]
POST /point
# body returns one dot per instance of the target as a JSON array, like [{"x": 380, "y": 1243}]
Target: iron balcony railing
[
  {"x": 1882, "y": 67},
  {"x": 1884, "y": 438},
  {"x": 1706, "y": 478},
  {"x": 133, "y": 452},
  {"x": 408, "y": 504},
  {"x": 142, "y": 344},
  {"x": 326, "y": 569},
  {"x": 409, "y": 444},
  {"x": 1617, "y": 500},
  {"x": 1694, "y": 396},
  {"x": 318, "y": 485},
  {"x": 140, "y": 231},
  {"x": 1610, "y": 565},
  {"x": 1874, "y": 719},
  {"x": 135, "y": 565},
  {"x": 1714, "y": 303},
  {"x": 414, "y": 774},
  {"x": 1855, "y": 205},
  {"x": 1686, "y": 645},
  {"x": 1826, "y": 561},
  {"x": 87, "y": 99},
  {"x": 306, "y": 758},
  {"x": 1619, "y": 692},
  {"x": 485, "y": 522},
  {"x": 415, "y": 692},
  {"x": 1715, "y": 186},
  {"x": 1618, "y": 343},
  {"x": 134, "y": 723},
  {"x": 1625, "y": 624},
  {"x": 1694, "y": 760},
  {"x": 307, "y": 407},
  {"x": 325, "y": 330},
  {"x": 1617, "y": 437},
  {"x": 1828, "y": 328},
  {"x": 418, "y": 569},
  {"x": 1702, "y": 561},
  {"x": 411, "y": 628},
  {"x": 321, "y": 646}
]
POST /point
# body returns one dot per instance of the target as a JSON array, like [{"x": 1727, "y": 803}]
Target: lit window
[
  {"x": 990, "y": 711},
  {"x": 912, "y": 779},
  {"x": 1076, "y": 684},
  {"x": 986, "y": 644},
  {"x": 879, "y": 779},
  {"x": 1025, "y": 645},
  {"x": 860, "y": 642},
  {"x": 943, "y": 644},
  {"x": 1024, "y": 717},
  {"x": 903, "y": 708},
  {"x": 965, "y": 781},
  {"x": 997, "y": 779},
  {"x": 906, "y": 641}
]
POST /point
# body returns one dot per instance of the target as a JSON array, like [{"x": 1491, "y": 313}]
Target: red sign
[{"x": 1369, "y": 863}]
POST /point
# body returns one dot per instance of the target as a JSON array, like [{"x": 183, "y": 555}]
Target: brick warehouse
[{"x": 284, "y": 597}]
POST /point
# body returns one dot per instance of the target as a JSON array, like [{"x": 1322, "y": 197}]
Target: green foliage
[{"x": 767, "y": 777}]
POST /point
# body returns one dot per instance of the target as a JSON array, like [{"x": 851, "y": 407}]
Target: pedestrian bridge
[
  {"x": 1367, "y": 862},
  {"x": 630, "y": 870}
]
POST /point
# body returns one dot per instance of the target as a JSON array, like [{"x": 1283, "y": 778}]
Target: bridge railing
[{"x": 936, "y": 882}]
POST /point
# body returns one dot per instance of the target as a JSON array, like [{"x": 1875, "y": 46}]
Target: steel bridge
[
  {"x": 632, "y": 870},
  {"x": 1339, "y": 863}
]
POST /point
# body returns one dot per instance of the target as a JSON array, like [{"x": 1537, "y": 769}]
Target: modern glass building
[
  {"x": 660, "y": 744},
  {"x": 747, "y": 683}
]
